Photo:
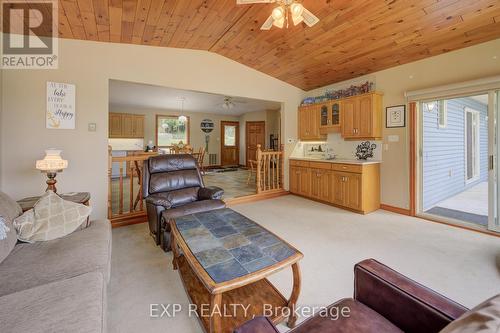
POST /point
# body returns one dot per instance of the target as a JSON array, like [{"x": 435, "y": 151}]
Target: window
[
  {"x": 170, "y": 130},
  {"x": 472, "y": 149},
  {"x": 229, "y": 135},
  {"x": 442, "y": 114}
]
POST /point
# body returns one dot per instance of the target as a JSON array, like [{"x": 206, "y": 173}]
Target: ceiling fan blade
[
  {"x": 309, "y": 18},
  {"x": 248, "y": 2},
  {"x": 268, "y": 24}
]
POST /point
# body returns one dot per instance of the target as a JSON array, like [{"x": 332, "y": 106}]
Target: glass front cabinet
[{"x": 330, "y": 117}]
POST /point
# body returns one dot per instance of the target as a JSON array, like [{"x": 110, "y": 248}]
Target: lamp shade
[{"x": 52, "y": 162}]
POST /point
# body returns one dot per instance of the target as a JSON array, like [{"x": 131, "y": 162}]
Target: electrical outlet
[{"x": 92, "y": 127}]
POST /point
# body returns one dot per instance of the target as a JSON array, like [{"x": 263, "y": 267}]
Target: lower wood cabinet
[{"x": 352, "y": 186}]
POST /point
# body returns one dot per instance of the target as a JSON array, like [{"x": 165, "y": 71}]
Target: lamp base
[{"x": 51, "y": 182}]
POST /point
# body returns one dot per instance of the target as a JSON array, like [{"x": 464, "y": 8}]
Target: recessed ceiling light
[
  {"x": 495, "y": 57},
  {"x": 411, "y": 76}
]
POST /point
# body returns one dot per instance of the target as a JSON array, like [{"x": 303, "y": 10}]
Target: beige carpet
[{"x": 460, "y": 264}]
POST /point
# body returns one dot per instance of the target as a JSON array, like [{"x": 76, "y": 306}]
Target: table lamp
[{"x": 51, "y": 164}]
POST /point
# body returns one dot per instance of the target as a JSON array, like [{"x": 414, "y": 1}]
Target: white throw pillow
[
  {"x": 51, "y": 218},
  {"x": 484, "y": 318}
]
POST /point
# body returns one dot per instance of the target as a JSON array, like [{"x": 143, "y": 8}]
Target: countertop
[{"x": 337, "y": 160}]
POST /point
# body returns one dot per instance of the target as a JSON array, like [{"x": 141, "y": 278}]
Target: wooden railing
[
  {"x": 270, "y": 172},
  {"x": 125, "y": 188}
]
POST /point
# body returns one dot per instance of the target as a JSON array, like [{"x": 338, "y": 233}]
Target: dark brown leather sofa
[
  {"x": 173, "y": 187},
  {"x": 384, "y": 302}
]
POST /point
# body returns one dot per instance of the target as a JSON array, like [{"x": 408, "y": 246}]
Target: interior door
[
  {"x": 255, "y": 135},
  {"x": 230, "y": 143}
]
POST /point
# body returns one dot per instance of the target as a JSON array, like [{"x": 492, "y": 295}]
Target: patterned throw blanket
[{"x": 3, "y": 228}]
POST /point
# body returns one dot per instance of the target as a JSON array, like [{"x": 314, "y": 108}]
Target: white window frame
[
  {"x": 477, "y": 162},
  {"x": 442, "y": 114}
]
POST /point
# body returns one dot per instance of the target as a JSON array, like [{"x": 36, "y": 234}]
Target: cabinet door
[
  {"x": 365, "y": 126},
  {"x": 303, "y": 123},
  {"x": 325, "y": 188},
  {"x": 349, "y": 117},
  {"x": 304, "y": 182},
  {"x": 314, "y": 121},
  {"x": 294, "y": 179},
  {"x": 339, "y": 188},
  {"x": 115, "y": 125},
  {"x": 138, "y": 130},
  {"x": 324, "y": 116},
  {"x": 335, "y": 114},
  {"x": 353, "y": 191},
  {"x": 315, "y": 180},
  {"x": 128, "y": 126}
]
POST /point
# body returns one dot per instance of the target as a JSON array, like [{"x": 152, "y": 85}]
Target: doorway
[
  {"x": 255, "y": 135},
  {"x": 230, "y": 143},
  {"x": 456, "y": 150}
]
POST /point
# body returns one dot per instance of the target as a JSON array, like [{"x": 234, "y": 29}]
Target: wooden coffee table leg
[
  {"x": 292, "y": 302},
  {"x": 215, "y": 310},
  {"x": 175, "y": 254}
]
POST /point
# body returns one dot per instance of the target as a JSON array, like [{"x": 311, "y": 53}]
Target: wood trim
[
  {"x": 256, "y": 197},
  {"x": 246, "y": 137},
  {"x": 412, "y": 119},
  {"x": 172, "y": 116},
  {"x": 129, "y": 219},
  {"x": 394, "y": 209}
]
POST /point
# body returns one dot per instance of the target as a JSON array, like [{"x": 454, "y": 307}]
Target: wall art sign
[
  {"x": 395, "y": 116},
  {"x": 60, "y": 106}
]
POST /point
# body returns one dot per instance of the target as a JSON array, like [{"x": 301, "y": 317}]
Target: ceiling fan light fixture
[
  {"x": 278, "y": 13},
  {"x": 279, "y": 23},
  {"x": 297, "y": 9},
  {"x": 297, "y": 20}
]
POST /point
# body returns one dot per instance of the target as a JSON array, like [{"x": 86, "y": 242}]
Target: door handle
[{"x": 492, "y": 162}]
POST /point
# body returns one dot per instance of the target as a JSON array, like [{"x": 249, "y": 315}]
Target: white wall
[
  {"x": 462, "y": 65},
  {"x": 89, "y": 65}
]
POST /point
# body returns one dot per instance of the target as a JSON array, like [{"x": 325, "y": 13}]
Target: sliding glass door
[
  {"x": 493, "y": 159},
  {"x": 457, "y": 160}
]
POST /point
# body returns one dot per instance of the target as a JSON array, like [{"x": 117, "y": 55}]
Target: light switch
[
  {"x": 393, "y": 138},
  {"x": 92, "y": 127}
]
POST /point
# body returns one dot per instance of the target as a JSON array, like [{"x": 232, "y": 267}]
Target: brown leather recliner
[
  {"x": 173, "y": 187},
  {"x": 384, "y": 302}
]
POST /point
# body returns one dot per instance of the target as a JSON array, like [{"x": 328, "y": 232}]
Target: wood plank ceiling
[{"x": 353, "y": 37}]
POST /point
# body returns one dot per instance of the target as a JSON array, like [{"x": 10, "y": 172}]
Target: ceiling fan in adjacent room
[
  {"x": 286, "y": 10},
  {"x": 230, "y": 103}
]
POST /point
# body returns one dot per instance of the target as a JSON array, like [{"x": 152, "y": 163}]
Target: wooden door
[
  {"x": 348, "y": 117},
  {"x": 365, "y": 116},
  {"x": 320, "y": 184},
  {"x": 303, "y": 123},
  {"x": 115, "y": 125},
  {"x": 230, "y": 143},
  {"x": 294, "y": 179},
  {"x": 339, "y": 188},
  {"x": 353, "y": 188},
  {"x": 138, "y": 126},
  {"x": 304, "y": 182},
  {"x": 255, "y": 134},
  {"x": 128, "y": 121},
  {"x": 314, "y": 123}
]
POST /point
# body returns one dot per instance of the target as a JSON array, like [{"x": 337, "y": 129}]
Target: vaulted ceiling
[{"x": 354, "y": 37}]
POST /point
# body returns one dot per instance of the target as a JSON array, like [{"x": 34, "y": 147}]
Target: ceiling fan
[
  {"x": 280, "y": 15},
  {"x": 230, "y": 103}
]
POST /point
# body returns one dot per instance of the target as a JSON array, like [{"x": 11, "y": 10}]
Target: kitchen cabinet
[
  {"x": 351, "y": 186},
  {"x": 123, "y": 125},
  {"x": 362, "y": 117},
  {"x": 330, "y": 117},
  {"x": 309, "y": 123}
]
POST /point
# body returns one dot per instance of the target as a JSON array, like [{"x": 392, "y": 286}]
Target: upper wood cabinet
[
  {"x": 124, "y": 125},
  {"x": 330, "y": 117},
  {"x": 309, "y": 123},
  {"x": 362, "y": 117}
]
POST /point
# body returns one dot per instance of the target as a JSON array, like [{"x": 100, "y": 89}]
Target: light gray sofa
[{"x": 54, "y": 286}]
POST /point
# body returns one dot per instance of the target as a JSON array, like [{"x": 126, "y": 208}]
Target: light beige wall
[
  {"x": 197, "y": 136},
  {"x": 271, "y": 117},
  {"x": 89, "y": 65},
  {"x": 462, "y": 65}
]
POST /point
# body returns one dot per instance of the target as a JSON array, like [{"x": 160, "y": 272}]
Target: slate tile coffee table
[{"x": 223, "y": 259}]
